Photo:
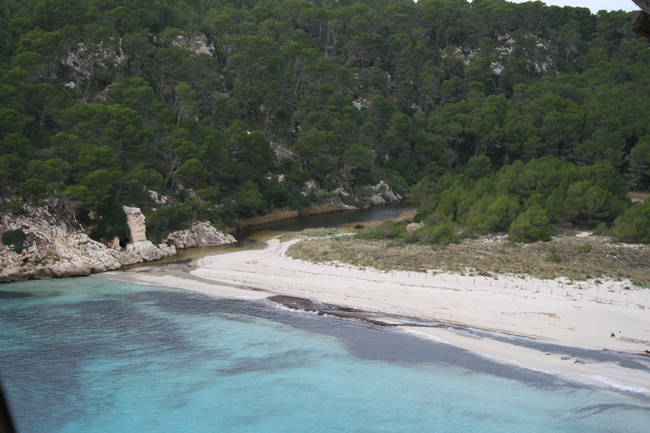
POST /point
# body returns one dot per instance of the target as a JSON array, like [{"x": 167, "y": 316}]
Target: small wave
[{"x": 622, "y": 387}]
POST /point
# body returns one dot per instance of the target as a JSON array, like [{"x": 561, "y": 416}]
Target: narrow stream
[{"x": 256, "y": 237}]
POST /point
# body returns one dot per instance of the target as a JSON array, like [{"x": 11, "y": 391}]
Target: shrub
[
  {"x": 601, "y": 229},
  {"x": 12, "y": 206},
  {"x": 438, "y": 234},
  {"x": 634, "y": 225},
  {"x": 502, "y": 212},
  {"x": 32, "y": 189},
  {"x": 531, "y": 225},
  {"x": 553, "y": 256},
  {"x": 175, "y": 217},
  {"x": 15, "y": 239},
  {"x": 585, "y": 249}
]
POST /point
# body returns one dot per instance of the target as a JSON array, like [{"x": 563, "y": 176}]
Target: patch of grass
[
  {"x": 326, "y": 232},
  {"x": 554, "y": 258},
  {"x": 287, "y": 237},
  {"x": 585, "y": 249},
  {"x": 553, "y": 255},
  {"x": 485, "y": 256}
]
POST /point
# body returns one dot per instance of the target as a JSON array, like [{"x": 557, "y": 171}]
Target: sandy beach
[{"x": 579, "y": 314}]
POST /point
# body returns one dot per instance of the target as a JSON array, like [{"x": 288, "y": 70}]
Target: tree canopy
[{"x": 234, "y": 105}]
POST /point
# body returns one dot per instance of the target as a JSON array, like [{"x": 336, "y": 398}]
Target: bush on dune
[{"x": 634, "y": 225}]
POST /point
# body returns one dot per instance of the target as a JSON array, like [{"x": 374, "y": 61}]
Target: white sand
[{"x": 582, "y": 314}]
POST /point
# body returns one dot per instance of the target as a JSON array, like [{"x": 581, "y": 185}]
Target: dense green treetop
[{"x": 229, "y": 107}]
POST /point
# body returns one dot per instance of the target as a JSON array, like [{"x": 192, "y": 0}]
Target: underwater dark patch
[{"x": 8, "y": 295}]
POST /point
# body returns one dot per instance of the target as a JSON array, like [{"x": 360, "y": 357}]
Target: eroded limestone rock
[
  {"x": 146, "y": 251},
  {"x": 136, "y": 222},
  {"x": 58, "y": 246},
  {"x": 199, "y": 234},
  {"x": 383, "y": 194},
  {"x": 376, "y": 200}
]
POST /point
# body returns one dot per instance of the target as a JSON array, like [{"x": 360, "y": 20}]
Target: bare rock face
[
  {"x": 310, "y": 187},
  {"x": 140, "y": 249},
  {"x": 383, "y": 194},
  {"x": 51, "y": 248},
  {"x": 196, "y": 44},
  {"x": 199, "y": 234},
  {"x": 376, "y": 200},
  {"x": 136, "y": 222},
  {"x": 146, "y": 251}
]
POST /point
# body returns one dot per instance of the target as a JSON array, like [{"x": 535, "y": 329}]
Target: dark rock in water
[
  {"x": 296, "y": 303},
  {"x": 303, "y": 304},
  {"x": 6, "y": 294}
]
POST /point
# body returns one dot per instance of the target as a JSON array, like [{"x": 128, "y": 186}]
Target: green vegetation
[
  {"x": 523, "y": 199},
  {"x": 634, "y": 224},
  {"x": 225, "y": 109},
  {"x": 15, "y": 239},
  {"x": 561, "y": 257}
]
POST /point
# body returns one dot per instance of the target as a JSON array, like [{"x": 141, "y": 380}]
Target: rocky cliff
[{"x": 37, "y": 243}]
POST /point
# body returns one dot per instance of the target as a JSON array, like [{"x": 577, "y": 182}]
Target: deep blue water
[{"x": 90, "y": 355}]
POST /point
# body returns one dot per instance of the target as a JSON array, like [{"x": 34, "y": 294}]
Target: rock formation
[
  {"x": 140, "y": 246},
  {"x": 199, "y": 234},
  {"x": 54, "y": 246},
  {"x": 146, "y": 251},
  {"x": 383, "y": 194},
  {"x": 136, "y": 222}
]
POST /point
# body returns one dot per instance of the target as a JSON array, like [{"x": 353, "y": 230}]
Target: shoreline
[{"x": 392, "y": 298}]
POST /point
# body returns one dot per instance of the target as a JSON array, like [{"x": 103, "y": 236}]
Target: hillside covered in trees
[{"x": 499, "y": 113}]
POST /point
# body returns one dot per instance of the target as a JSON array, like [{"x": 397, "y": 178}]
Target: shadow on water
[
  {"x": 134, "y": 325},
  {"x": 363, "y": 340},
  {"x": 8, "y": 295},
  {"x": 99, "y": 327}
]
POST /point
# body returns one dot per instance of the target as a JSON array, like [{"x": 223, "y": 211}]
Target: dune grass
[{"x": 576, "y": 258}]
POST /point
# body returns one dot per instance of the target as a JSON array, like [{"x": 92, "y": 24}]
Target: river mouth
[
  {"x": 332, "y": 219},
  {"x": 254, "y": 238}
]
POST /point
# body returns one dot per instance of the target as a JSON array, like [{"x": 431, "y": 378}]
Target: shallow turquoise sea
[{"x": 91, "y": 355}]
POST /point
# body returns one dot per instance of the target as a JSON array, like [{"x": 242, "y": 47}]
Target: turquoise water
[{"x": 90, "y": 355}]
